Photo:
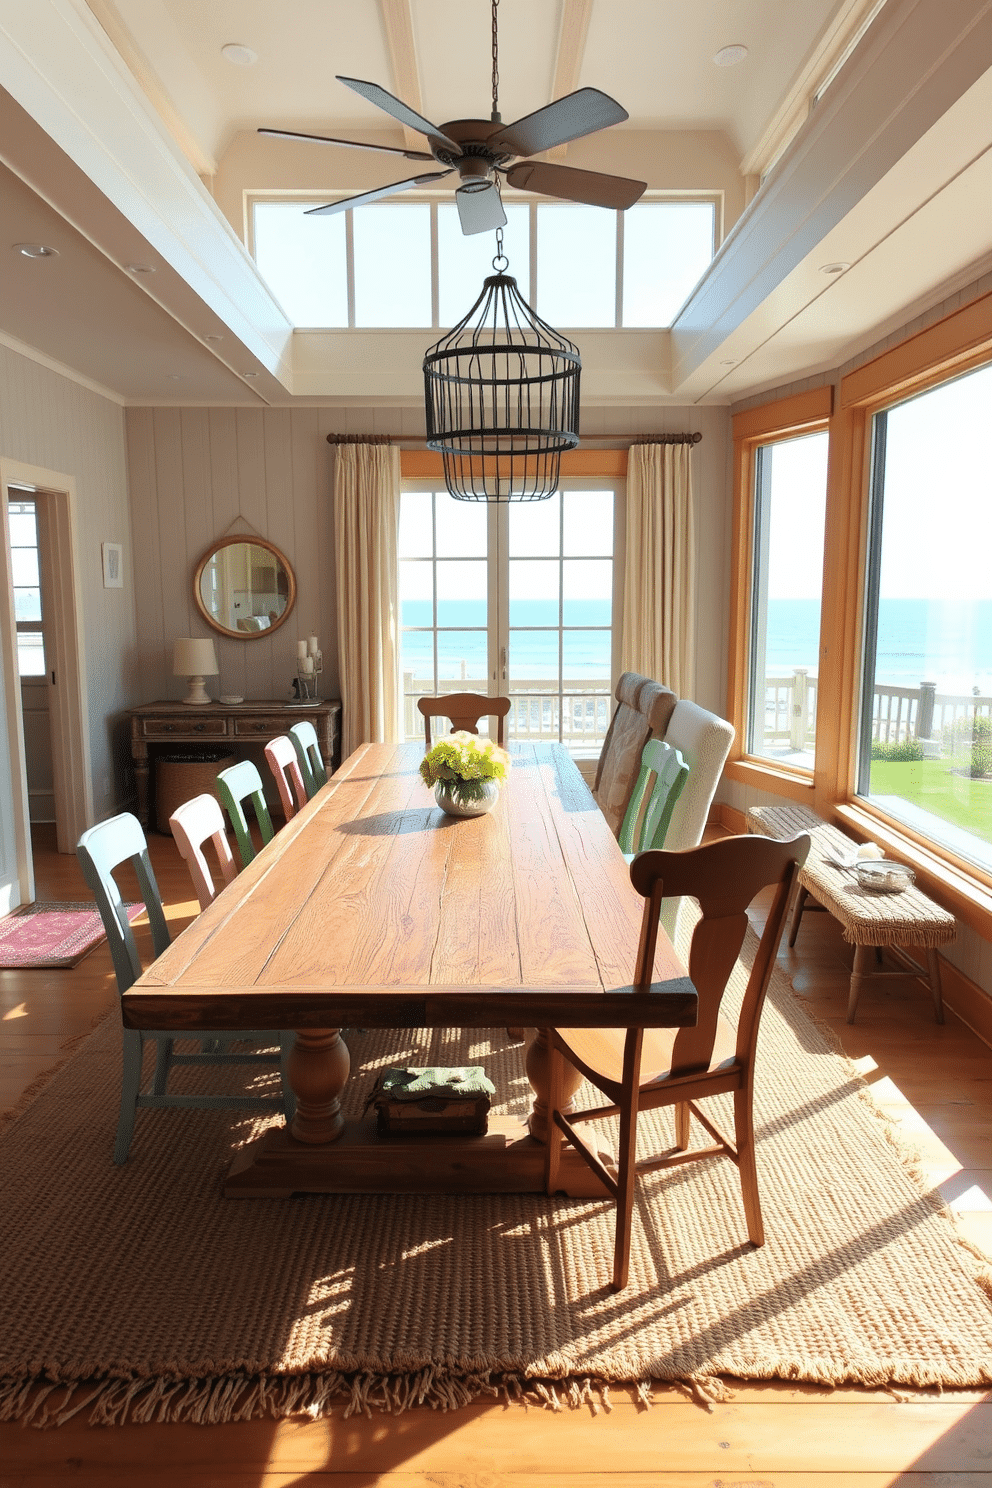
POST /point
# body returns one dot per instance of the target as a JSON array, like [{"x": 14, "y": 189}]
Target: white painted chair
[
  {"x": 194, "y": 824},
  {"x": 703, "y": 739},
  {"x": 285, "y": 766}
]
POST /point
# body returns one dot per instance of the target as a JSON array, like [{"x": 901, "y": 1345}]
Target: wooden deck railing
[
  {"x": 585, "y": 705},
  {"x": 898, "y": 713}
]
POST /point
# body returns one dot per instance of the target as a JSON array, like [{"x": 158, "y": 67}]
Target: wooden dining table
[{"x": 372, "y": 908}]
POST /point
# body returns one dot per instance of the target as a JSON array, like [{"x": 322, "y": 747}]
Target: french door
[{"x": 517, "y": 600}]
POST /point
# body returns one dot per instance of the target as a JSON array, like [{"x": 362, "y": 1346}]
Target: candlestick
[
  {"x": 301, "y": 648},
  {"x": 312, "y": 646}
]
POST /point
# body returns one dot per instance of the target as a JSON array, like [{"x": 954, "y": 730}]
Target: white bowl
[
  {"x": 230, "y": 699},
  {"x": 882, "y": 876}
]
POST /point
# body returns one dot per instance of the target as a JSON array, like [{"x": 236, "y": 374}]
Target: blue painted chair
[
  {"x": 100, "y": 850},
  {"x": 649, "y": 811},
  {"x": 236, "y": 785},
  {"x": 307, "y": 745}
]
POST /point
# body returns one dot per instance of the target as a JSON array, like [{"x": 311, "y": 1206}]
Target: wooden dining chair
[
  {"x": 194, "y": 824},
  {"x": 640, "y": 1069},
  {"x": 659, "y": 784},
  {"x": 101, "y": 850},
  {"x": 285, "y": 766},
  {"x": 464, "y": 709},
  {"x": 236, "y": 785},
  {"x": 307, "y": 746}
]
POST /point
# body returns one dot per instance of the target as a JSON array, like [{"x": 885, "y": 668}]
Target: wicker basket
[{"x": 180, "y": 777}]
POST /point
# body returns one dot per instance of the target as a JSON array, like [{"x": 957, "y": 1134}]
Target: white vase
[{"x": 450, "y": 800}]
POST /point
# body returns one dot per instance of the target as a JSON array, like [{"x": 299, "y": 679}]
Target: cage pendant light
[{"x": 502, "y": 393}]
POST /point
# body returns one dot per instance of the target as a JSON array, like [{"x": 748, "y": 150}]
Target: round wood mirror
[{"x": 244, "y": 587}]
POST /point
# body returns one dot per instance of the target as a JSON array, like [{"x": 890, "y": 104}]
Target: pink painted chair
[
  {"x": 285, "y": 766},
  {"x": 193, "y": 824}
]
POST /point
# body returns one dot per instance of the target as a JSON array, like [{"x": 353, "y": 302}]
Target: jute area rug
[{"x": 139, "y": 1293}]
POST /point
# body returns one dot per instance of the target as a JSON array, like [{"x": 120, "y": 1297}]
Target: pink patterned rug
[{"x": 52, "y": 935}]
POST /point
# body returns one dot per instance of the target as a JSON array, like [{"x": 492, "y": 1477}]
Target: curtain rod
[{"x": 409, "y": 439}]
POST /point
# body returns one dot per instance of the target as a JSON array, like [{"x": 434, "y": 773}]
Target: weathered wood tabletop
[{"x": 372, "y": 908}]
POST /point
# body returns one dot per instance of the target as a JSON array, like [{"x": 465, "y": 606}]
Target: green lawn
[{"x": 934, "y": 786}]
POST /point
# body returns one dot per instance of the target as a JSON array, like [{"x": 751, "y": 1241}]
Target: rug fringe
[{"x": 217, "y": 1400}]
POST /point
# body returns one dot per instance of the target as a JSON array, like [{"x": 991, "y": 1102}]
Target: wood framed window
[{"x": 780, "y": 483}]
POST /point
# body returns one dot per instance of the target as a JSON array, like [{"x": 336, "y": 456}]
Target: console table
[{"x": 182, "y": 725}]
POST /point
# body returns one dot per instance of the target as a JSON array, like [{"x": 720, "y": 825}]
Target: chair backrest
[
  {"x": 285, "y": 766},
  {"x": 659, "y": 784},
  {"x": 193, "y": 824},
  {"x": 464, "y": 709},
  {"x": 724, "y": 878},
  {"x": 307, "y": 746},
  {"x": 235, "y": 785},
  {"x": 703, "y": 740},
  {"x": 643, "y": 708},
  {"x": 100, "y": 850}
]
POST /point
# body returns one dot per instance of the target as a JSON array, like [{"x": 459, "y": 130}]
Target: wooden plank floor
[{"x": 936, "y": 1082}]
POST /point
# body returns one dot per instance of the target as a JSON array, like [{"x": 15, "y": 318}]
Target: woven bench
[{"x": 870, "y": 921}]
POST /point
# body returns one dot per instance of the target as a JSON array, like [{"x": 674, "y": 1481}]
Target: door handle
[{"x": 502, "y": 656}]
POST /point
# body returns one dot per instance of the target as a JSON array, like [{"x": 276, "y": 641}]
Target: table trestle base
[{"x": 506, "y": 1160}]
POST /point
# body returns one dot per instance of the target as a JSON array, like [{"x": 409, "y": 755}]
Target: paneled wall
[
  {"x": 196, "y": 474},
  {"x": 50, "y": 421}
]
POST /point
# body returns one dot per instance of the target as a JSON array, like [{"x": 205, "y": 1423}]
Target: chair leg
[
  {"x": 287, "y": 1039},
  {"x": 626, "y": 1178},
  {"x": 682, "y": 1120},
  {"x": 130, "y": 1086},
  {"x": 797, "y": 913},
  {"x": 555, "y": 1137},
  {"x": 163, "y": 1063},
  {"x": 744, "y": 1131}
]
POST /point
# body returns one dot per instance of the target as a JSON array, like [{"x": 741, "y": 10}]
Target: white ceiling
[
  {"x": 654, "y": 56},
  {"x": 110, "y": 108}
]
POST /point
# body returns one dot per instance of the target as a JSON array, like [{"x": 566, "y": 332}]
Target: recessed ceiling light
[
  {"x": 728, "y": 362},
  {"x": 177, "y": 377},
  {"x": 249, "y": 374},
  {"x": 241, "y": 56},
  {"x": 729, "y": 56},
  {"x": 35, "y": 250},
  {"x": 137, "y": 268},
  {"x": 834, "y": 268},
  {"x": 214, "y": 337}
]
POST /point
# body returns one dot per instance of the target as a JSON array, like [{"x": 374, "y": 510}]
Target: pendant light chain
[{"x": 496, "y": 118}]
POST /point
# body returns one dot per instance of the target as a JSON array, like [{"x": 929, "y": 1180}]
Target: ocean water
[
  {"x": 919, "y": 640},
  {"x": 533, "y": 653}
]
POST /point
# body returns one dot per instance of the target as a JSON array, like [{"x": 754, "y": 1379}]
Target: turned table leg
[
  {"x": 317, "y": 1070},
  {"x": 536, "y": 1063}
]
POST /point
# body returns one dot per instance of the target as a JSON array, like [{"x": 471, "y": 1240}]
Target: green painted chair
[
  {"x": 649, "y": 811},
  {"x": 236, "y": 785},
  {"x": 100, "y": 850},
  {"x": 304, "y": 737}
]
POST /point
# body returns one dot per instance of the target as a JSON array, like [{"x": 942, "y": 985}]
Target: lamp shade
[{"x": 192, "y": 657}]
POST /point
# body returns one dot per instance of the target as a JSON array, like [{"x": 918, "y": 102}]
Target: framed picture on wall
[{"x": 113, "y": 565}]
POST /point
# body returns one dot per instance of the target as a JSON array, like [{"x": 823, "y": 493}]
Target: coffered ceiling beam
[
  {"x": 572, "y": 33},
  {"x": 397, "y": 20}
]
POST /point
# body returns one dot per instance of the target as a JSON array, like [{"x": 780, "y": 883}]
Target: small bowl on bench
[{"x": 882, "y": 876}]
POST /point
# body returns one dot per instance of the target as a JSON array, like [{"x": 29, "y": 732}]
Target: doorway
[{"x": 41, "y": 689}]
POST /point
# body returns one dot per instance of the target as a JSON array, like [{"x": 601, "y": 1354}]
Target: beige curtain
[
  {"x": 366, "y": 527},
  {"x": 658, "y": 632}
]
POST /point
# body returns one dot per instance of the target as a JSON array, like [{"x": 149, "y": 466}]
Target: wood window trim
[
  {"x": 958, "y": 343},
  {"x": 785, "y": 418},
  {"x": 425, "y": 464}
]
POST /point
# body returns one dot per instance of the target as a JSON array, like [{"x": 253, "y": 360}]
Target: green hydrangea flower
[{"x": 466, "y": 759}]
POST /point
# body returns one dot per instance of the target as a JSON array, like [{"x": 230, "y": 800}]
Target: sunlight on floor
[{"x": 20, "y": 1011}]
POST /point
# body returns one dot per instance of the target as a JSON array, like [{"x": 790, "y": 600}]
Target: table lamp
[{"x": 195, "y": 659}]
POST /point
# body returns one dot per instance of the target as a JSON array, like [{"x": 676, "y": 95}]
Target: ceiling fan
[{"x": 480, "y": 150}]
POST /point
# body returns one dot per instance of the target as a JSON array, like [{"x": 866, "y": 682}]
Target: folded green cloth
[{"x": 445, "y": 1084}]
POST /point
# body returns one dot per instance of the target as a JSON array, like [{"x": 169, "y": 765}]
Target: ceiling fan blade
[
  {"x": 400, "y": 111},
  {"x": 566, "y": 119},
  {"x": 479, "y": 211},
  {"x": 371, "y": 196},
  {"x": 591, "y": 187},
  {"x": 324, "y": 139}
]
